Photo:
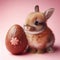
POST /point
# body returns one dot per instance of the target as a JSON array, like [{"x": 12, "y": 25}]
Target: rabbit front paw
[
  {"x": 32, "y": 50},
  {"x": 41, "y": 51}
]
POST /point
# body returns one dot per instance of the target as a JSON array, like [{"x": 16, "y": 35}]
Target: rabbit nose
[{"x": 29, "y": 28}]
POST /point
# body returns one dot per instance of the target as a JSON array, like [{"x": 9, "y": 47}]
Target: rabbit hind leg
[{"x": 50, "y": 50}]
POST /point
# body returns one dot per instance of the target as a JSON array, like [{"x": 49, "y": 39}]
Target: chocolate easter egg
[{"x": 16, "y": 41}]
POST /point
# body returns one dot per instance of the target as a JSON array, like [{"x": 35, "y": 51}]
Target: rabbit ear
[
  {"x": 36, "y": 8},
  {"x": 48, "y": 13}
]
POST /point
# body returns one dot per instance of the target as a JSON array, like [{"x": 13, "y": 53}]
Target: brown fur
[{"x": 43, "y": 40}]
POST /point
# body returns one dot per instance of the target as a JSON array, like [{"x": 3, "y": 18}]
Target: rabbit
[{"x": 40, "y": 37}]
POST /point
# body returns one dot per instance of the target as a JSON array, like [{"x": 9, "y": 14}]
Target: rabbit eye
[
  {"x": 36, "y": 23},
  {"x": 39, "y": 23}
]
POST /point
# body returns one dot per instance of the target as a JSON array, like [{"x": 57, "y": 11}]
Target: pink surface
[{"x": 15, "y": 12}]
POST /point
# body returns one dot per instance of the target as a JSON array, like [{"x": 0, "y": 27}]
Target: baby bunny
[{"x": 40, "y": 37}]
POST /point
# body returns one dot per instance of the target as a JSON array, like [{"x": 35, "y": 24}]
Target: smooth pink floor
[{"x": 15, "y": 12}]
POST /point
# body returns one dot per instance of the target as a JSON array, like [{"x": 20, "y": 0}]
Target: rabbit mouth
[{"x": 32, "y": 30}]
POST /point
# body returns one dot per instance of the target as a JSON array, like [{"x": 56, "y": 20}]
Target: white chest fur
[
  {"x": 36, "y": 41},
  {"x": 40, "y": 40}
]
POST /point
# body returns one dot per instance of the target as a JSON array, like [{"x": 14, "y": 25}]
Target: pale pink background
[{"x": 15, "y": 12}]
